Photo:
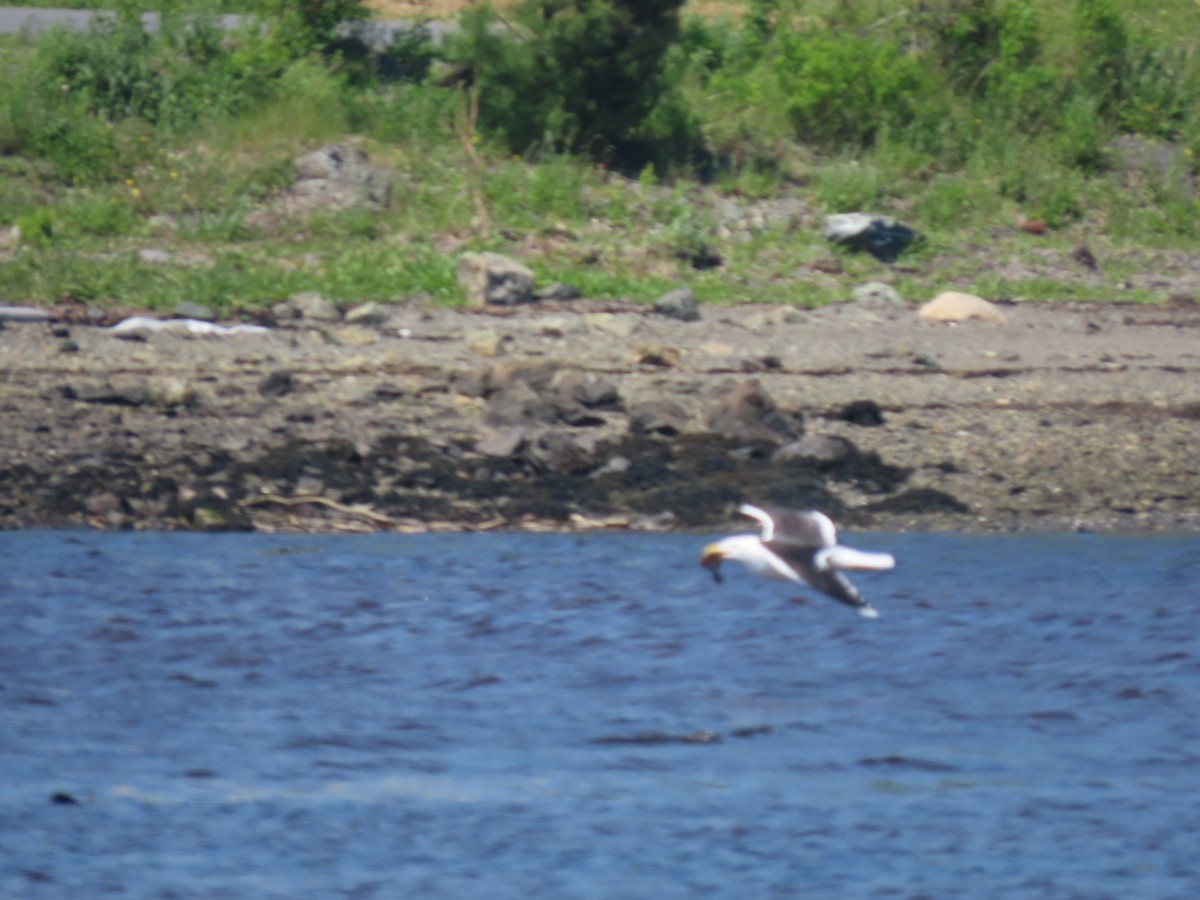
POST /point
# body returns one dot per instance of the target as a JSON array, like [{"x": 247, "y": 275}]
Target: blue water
[{"x": 495, "y": 716}]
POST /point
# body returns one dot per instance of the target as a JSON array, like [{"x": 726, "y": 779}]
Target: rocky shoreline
[{"x": 569, "y": 414}]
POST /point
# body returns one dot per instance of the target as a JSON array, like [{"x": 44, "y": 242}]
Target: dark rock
[
  {"x": 678, "y": 304},
  {"x": 747, "y": 413},
  {"x": 881, "y": 236},
  {"x": 574, "y": 386},
  {"x": 1085, "y": 257},
  {"x": 278, "y": 384},
  {"x": 703, "y": 257},
  {"x": 862, "y": 412},
  {"x": 663, "y": 356},
  {"x": 919, "y": 500},
  {"x": 519, "y": 404},
  {"x": 135, "y": 395},
  {"x": 563, "y": 452}
]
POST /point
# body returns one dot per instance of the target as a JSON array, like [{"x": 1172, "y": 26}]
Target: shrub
[
  {"x": 842, "y": 88},
  {"x": 581, "y": 76}
]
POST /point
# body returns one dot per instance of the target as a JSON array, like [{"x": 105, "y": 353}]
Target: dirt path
[{"x": 1076, "y": 416}]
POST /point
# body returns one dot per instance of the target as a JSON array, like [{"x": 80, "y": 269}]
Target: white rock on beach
[{"x": 952, "y": 306}]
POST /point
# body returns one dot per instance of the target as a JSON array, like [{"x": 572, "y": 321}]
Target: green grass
[{"x": 91, "y": 180}]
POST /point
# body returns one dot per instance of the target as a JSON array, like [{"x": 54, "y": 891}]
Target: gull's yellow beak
[{"x": 711, "y": 558}]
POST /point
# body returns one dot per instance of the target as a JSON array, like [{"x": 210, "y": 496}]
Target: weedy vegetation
[{"x": 625, "y": 147}]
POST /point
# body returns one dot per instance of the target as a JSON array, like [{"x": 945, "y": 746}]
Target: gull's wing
[
  {"x": 764, "y": 519},
  {"x": 803, "y": 562},
  {"x": 834, "y": 584}
]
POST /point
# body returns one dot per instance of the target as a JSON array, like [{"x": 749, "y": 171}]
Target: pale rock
[
  {"x": 952, "y": 306},
  {"x": 502, "y": 442},
  {"x": 311, "y": 305},
  {"x": 612, "y": 324},
  {"x": 369, "y": 313},
  {"x": 170, "y": 392},
  {"x": 488, "y": 344},
  {"x": 877, "y": 292},
  {"x": 352, "y": 336}
]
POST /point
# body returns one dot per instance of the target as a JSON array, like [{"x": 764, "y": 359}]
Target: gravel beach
[{"x": 576, "y": 415}]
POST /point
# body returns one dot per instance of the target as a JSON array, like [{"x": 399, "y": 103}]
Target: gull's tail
[{"x": 847, "y": 559}]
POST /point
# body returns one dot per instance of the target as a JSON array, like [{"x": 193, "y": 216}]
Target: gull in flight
[{"x": 800, "y": 547}]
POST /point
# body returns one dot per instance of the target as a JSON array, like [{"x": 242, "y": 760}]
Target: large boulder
[
  {"x": 746, "y": 412},
  {"x": 494, "y": 279}
]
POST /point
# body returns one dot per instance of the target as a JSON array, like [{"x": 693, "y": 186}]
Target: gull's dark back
[{"x": 801, "y": 529}]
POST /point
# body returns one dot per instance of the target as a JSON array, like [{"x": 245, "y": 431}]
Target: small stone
[
  {"x": 135, "y": 395},
  {"x": 658, "y": 355},
  {"x": 560, "y": 326},
  {"x": 611, "y": 324},
  {"x": 678, "y": 304},
  {"x": 877, "y": 292},
  {"x": 863, "y": 412},
  {"x": 369, "y": 313},
  {"x": 815, "y": 448},
  {"x": 518, "y": 404},
  {"x": 502, "y": 443},
  {"x": 772, "y": 317},
  {"x": 563, "y": 452},
  {"x": 952, "y": 306},
  {"x": 352, "y": 336},
  {"x": 557, "y": 291},
  {"x": 663, "y": 417},
  {"x": 311, "y": 305},
  {"x": 102, "y": 503},
  {"x": 172, "y": 392},
  {"x": 277, "y": 384},
  {"x": 488, "y": 344}
]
